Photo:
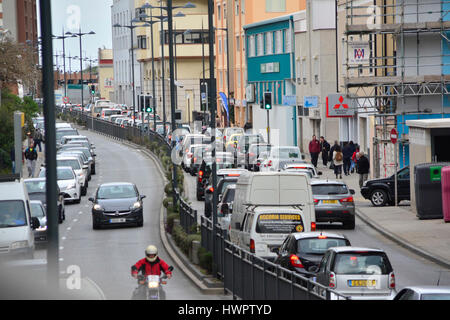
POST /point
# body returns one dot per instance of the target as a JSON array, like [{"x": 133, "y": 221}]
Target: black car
[
  {"x": 223, "y": 161},
  {"x": 381, "y": 192},
  {"x": 221, "y": 186},
  {"x": 36, "y": 188},
  {"x": 302, "y": 250},
  {"x": 117, "y": 204}
]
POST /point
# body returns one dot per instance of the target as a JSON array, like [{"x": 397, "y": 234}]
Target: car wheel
[
  {"x": 378, "y": 198},
  {"x": 84, "y": 190},
  {"x": 349, "y": 224},
  {"x": 78, "y": 200},
  {"x": 93, "y": 170},
  {"x": 95, "y": 225},
  {"x": 140, "y": 222}
]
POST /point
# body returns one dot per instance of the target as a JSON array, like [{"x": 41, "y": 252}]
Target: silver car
[
  {"x": 358, "y": 273},
  {"x": 333, "y": 202},
  {"x": 424, "y": 293}
]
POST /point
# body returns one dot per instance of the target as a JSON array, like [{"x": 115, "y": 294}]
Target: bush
[
  {"x": 171, "y": 217},
  {"x": 184, "y": 240},
  {"x": 205, "y": 259}
]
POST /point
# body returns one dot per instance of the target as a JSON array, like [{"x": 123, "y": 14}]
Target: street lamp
[
  {"x": 80, "y": 35},
  {"x": 63, "y": 37},
  {"x": 131, "y": 27},
  {"x": 150, "y": 24}
]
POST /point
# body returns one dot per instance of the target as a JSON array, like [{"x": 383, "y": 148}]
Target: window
[
  {"x": 243, "y": 6},
  {"x": 269, "y": 43},
  {"x": 279, "y": 41},
  {"x": 238, "y": 43},
  {"x": 316, "y": 70},
  {"x": 287, "y": 41},
  {"x": 239, "y": 78},
  {"x": 236, "y": 6},
  {"x": 142, "y": 42},
  {"x": 219, "y": 14},
  {"x": 260, "y": 48},
  {"x": 275, "y": 5},
  {"x": 220, "y": 46},
  {"x": 251, "y": 46}
]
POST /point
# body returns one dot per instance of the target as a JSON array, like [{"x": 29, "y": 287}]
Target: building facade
[
  {"x": 122, "y": 13},
  {"x": 20, "y": 19},
  {"x": 231, "y": 69},
  {"x": 105, "y": 74}
]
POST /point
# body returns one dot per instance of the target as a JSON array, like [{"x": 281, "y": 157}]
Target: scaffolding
[{"x": 396, "y": 50}]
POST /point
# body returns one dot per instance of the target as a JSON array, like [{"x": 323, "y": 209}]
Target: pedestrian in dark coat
[
  {"x": 325, "y": 149},
  {"x": 314, "y": 150}
]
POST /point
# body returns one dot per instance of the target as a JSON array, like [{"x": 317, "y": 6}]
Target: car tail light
[
  {"x": 316, "y": 201},
  {"x": 346, "y": 200},
  {"x": 270, "y": 163},
  {"x": 211, "y": 189},
  {"x": 252, "y": 246},
  {"x": 200, "y": 173},
  {"x": 391, "y": 280},
  {"x": 295, "y": 261},
  {"x": 313, "y": 226},
  {"x": 332, "y": 280},
  {"x": 322, "y": 236}
]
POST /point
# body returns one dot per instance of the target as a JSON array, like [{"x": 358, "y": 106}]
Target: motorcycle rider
[{"x": 150, "y": 265}]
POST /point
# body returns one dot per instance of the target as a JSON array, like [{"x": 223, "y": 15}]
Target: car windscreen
[
  {"x": 62, "y": 133},
  {"x": 362, "y": 263},
  {"x": 279, "y": 223},
  {"x": 319, "y": 245},
  {"x": 229, "y": 196},
  {"x": 110, "y": 112},
  {"x": 12, "y": 214},
  {"x": 290, "y": 153},
  {"x": 69, "y": 163},
  {"x": 98, "y": 109},
  {"x": 64, "y": 174},
  {"x": 35, "y": 186},
  {"x": 36, "y": 210},
  {"x": 226, "y": 184},
  {"x": 116, "y": 192},
  {"x": 86, "y": 152},
  {"x": 329, "y": 189}
]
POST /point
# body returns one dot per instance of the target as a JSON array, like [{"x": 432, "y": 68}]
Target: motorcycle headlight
[
  {"x": 153, "y": 284},
  {"x": 98, "y": 207},
  {"x": 136, "y": 205}
]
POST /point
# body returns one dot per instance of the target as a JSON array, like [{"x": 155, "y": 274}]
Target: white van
[
  {"x": 271, "y": 189},
  {"x": 16, "y": 225},
  {"x": 265, "y": 228}
]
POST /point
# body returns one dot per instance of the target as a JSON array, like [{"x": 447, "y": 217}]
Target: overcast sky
[{"x": 91, "y": 15}]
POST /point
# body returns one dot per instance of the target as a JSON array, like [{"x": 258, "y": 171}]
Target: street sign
[
  {"x": 340, "y": 106},
  {"x": 66, "y": 99},
  {"x": 310, "y": 102},
  {"x": 289, "y": 100},
  {"x": 394, "y": 136}
]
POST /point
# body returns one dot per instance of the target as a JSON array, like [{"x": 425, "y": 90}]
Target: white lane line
[
  {"x": 75, "y": 220},
  {"x": 63, "y": 238},
  {"x": 69, "y": 228},
  {"x": 61, "y": 259},
  {"x": 61, "y": 248}
]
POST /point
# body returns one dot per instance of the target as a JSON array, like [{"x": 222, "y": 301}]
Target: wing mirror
[
  {"x": 352, "y": 191},
  {"x": 91, "y": 199},
  {"x": 35, "y": 223},
  {"x": 319, "y": 173},
  {"x": 313, "y": 269}
]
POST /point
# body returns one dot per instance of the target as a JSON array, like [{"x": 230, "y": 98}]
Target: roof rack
[{"x": 9, "y": 177}]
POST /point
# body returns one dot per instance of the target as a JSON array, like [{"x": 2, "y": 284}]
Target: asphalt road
[{"x": 106, "y": 256}]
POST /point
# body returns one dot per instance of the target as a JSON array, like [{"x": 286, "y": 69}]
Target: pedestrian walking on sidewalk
[
  {"x": 314, "y": 150},
  {"x": 38, "y": 138},
  {"x": 362, "y": 168},
  {"x": 338, "y": 161},
  {"x": 31, "y": 156},
  {"x": 347, "y": 152},
  {"x": 355, "y": 157},
  {"x": 330, "y": 157},
  {"x": 325, "y": 148}
]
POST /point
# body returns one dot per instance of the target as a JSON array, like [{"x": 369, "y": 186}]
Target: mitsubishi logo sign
[{"x": 340, "y": 106}]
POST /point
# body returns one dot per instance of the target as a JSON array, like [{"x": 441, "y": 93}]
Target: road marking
[
  {"x": 75, "y": 220},
  {"x": 61, "y": 259},
  {"x": 61, "y": 248},
  {"x": 63, "y": 238},
  {"x": 69, "y": 228}
]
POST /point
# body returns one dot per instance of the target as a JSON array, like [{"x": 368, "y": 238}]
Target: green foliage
[
  {"x": 205, "y": 259},
  {"x": 184, "y": 240}
]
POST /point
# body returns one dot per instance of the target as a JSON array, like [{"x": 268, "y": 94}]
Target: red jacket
[
  {"x": 150, "y": 268},
  {"x": 314, "y": 146}
]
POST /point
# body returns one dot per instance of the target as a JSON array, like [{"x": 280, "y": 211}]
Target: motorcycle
[{"x": 152, "y": 285}]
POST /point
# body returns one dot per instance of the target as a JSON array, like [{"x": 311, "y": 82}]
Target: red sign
[
  {"x": 394, "y": 136},
  {"x": 66, "y": 99}
]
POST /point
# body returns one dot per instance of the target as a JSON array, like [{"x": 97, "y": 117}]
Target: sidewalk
[{"x": 427, "y": 238}]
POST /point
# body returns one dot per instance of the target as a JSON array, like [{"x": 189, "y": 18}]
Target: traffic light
[
  {"x": 93, "y": 89},
  {"x": 141, "y": 100},
  {"x": 148, "y": 104},
  {"x": 268, "y": 100}
]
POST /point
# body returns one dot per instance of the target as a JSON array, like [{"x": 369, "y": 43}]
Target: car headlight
[
  {"x": 365, "y": 183},
  {"x": 19, "y": 245},
  {"x": 44, "y": 228},
  {"x": 98, "y": 207},
  {"x": 136, "y": 205}
]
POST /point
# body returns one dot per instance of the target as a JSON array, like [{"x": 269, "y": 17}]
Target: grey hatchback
[{"x": 333, "y": 202}]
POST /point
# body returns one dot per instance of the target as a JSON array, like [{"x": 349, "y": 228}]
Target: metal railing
[{"x": 188, "y": 216}]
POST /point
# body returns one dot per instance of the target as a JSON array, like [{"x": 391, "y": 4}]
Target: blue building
[{"x": 270, "y": 59}]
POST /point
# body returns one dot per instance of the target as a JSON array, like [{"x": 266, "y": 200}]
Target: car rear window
[
  {"x": 69, "y": 163},
  {"x": 362, "y": 263},
  {"x": 229, "y": 196},
  {"x": 36, "y": 210},
  {"x": 319, "y": 245},
  {"x": 329, "y": 189},
  {"x": 279, "y": 223}
]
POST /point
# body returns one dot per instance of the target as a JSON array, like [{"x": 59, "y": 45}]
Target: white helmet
[{"x": 151, "y": 253}]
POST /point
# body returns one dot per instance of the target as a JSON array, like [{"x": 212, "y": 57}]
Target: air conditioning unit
[{"x": 315, "y": 114}]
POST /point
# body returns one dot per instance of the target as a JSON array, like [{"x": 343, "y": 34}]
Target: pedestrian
[
  {"x": 355, "y": 157},
  {"x": 338, "y": 161},
  {"x": 314, "y": 150},
  {"x": 362, "y": 168},
  {"x": 330, "y": 158},
  {"x": 12, "y": 156},
  {"x": 31, "y": 156},
  {"x": 347, "y": 152},
  {"x": 37, "y": 138},
  {"x": 325, "y": 148}
]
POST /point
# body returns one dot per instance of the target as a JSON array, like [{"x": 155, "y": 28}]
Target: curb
[{"x": 402, "y": 242}]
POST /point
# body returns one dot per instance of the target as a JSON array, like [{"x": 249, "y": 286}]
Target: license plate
[
  {"x": 117, "y": 220},
  {"x": 362, "y": 283},
  {"x": 329, "y": 201}
]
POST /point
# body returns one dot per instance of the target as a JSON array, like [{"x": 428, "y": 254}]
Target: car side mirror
[
  {"x": 85, "y": 167},
  {"x": 91, "y": 199},
  {"x": 225, "y": 208},
  {"x": 352, "y": 191},
  {"x": 35, "y": 223},
  {"x": 143, "y": 197},
  {"x": 313, "y": 269},
  {"x": 319, "y": 173}
]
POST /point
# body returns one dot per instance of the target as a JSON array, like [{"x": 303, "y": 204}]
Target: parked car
[
  {"x": 78, "y": 167},
  {"x": 381, "y": 192},
  {"x": 87, "y": 152},
  {"x": 38, "y": 211},
  {"x": 360, "y": 273},
  {"x": 82, "y": 157},
  {"x": 279, "y": 157},
  {"x": 64, "y": 132},
  {"x": 37, "y": 190},
  {"x": 117, "y": 203},
  {"x": 303, "y": 250},
  {"x": 424, "y": 293},
  {"x": 225, "y": 207},
  {"x": 333, "y": 202}
]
